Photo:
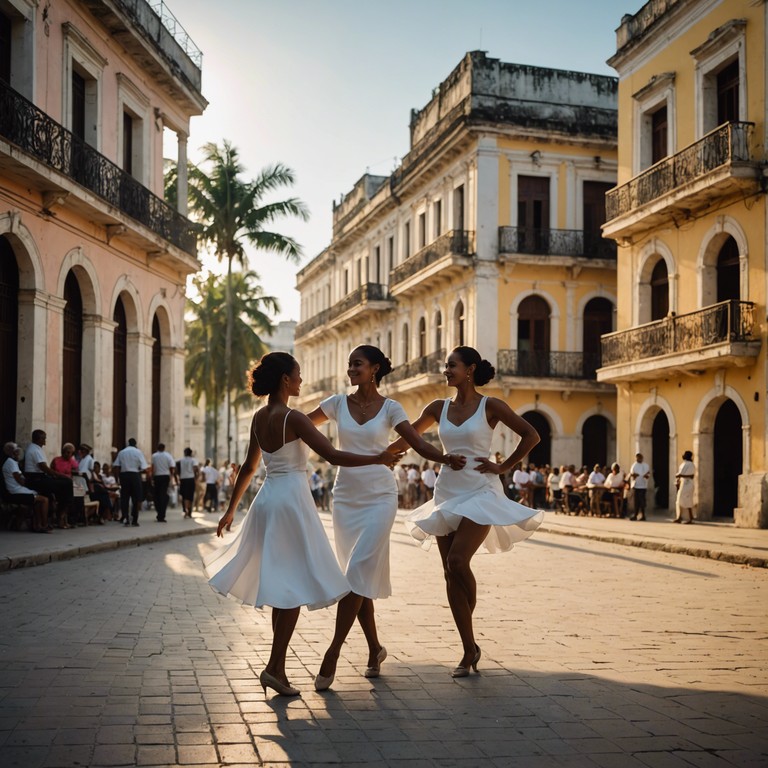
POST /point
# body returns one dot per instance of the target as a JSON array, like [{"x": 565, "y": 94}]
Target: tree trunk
[{"x": 228, "y": 356}]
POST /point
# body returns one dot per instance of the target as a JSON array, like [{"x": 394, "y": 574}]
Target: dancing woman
[
  {"x": 281, "y": 556},
  {"x": 365, "y": 500},
  {"x": 469, "y": 509}
]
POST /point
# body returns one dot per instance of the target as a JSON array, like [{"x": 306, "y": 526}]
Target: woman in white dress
[
  {"x": 365, "y": 500},
  {"x": 684, "y": 479},
  {"x": 469, "y": 509},
  {"x": 281, "y": 556}
]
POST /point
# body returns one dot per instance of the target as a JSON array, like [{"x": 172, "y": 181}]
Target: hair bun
[
  {"x": 484, "y": 372},
  {"x": 385, "y": 367}
]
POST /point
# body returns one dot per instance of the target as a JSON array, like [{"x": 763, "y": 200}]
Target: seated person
[
  {"x": 615, "y": 484},
  {"x": 45, "y": 480},
  {"x": 15, "y": 490},
  {"x": 97, "y": 491},
  {"x": 595, "y": 484}
]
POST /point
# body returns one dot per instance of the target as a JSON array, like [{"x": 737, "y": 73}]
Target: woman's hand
[
  {"x": 487, "y": 467},
  {"x": 455, "y": 461},
  {"x": 390, "y": 457},
  {"x": 225, "y": 522}
]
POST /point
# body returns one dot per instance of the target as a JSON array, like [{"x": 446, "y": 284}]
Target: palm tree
[{"x": 232, "y": 212}]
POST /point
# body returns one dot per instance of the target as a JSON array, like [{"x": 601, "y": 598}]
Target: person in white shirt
[
  {"x": 211, "y": 475},
  {"x": 595, "y": 483},
  {"x": 567, "y": 483},
  {"x": 129, "y": 464},
  {"x": 639, "y": 473},
  {"x": 17, "y": 492},
  {"x": 188, "y": 469},
  {"x": 615, "y": 484},
  {"x": 163, "y": 471},
  {"x": 413, "y": 486},
  {"x": 40, "y": 477},
  {"x": 522, "y": 482},
  {"x": 428, "y": 478}
]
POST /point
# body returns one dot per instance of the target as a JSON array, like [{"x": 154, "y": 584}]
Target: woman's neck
[
  {"x": 366, "y": 392},
  {"x": 278, "y": 398},
  {"x": 465, "y": 393}
]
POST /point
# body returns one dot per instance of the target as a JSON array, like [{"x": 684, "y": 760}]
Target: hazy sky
[{"x": 327, "y": 86}]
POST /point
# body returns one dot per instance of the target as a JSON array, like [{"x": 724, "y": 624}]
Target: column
[
  {"x": 182, "y": 194},
  {"x": 486, "y": 200},
  {"x": 138, "y": 397},
  {"x": 98, "y": 370}
]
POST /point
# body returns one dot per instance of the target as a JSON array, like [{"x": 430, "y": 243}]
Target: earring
[{"x": 373, "y": 378}]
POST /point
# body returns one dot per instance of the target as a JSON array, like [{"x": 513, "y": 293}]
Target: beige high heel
[
  {"x": 374, "y": 671},
  {"x": 462, "y": 671},
  {"x": 269, "y": 681},
  {"x": 323, "y": 683}
]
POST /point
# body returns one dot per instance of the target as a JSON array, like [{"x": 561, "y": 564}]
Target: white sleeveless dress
[
  {"x": 364, "y": 498},
  {"x": 281, "y": 556},
  {"x": 472, "y": 494}
]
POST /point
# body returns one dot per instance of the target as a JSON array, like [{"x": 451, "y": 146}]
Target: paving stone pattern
[{"x": 593, "y": 655}]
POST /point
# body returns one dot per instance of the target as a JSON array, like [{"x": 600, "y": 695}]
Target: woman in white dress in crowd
[
  {"x": 365, "y": 500},
  {"x": 469, "y": 509},
  {"x": 684, "y": 481},
  {"x": 281, "y": 556}
]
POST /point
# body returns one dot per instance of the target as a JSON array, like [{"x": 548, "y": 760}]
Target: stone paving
[{"x": 594, "y": 654}]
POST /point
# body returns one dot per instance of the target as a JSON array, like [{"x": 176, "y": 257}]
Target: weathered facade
[
  {"x": 488, "y": 234},
  {"x": 93, "y": 261},
  {"x": 689, "y": 215}
]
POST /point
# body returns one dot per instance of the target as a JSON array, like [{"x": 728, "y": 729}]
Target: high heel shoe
[
  {"x": 269, "y": 681},
  {"x": 374, "y": 671},
  {"x": 323, "y": 683},
  {"x": 462, "y": 671}
]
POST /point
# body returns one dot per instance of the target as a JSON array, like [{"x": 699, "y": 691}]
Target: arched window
[
  {"x": 728, "y": 279},
  {"x": 533, "y": 330},
  {"x": 9, "y": 334},
  {"x": 72, "y": 362},
  {"x": 119, "y": 374},
  {"x": 438, "y": 330},
  {"x": 406, "y": 343},
  {"x": 659, "y": 291},
  {"x": 598, "y": 319},
  {"x": 156, "y": 385},
  {"x": 660, "y": 459},
  {"x": 422, "y": 337},
  {"x": 594, "y": 441},
  {"x": 459, "y": 323}
]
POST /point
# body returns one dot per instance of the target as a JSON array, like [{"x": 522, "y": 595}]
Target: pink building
[{"x": 93, "y": 261}]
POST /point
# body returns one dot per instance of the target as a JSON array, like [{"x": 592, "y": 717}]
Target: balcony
[
  {"x": 446, "y": 257},
  {"x": 47, "y": 146},
  {"x": 717, "y": 167},
  {"x": 554, "y": 243},
  {"x": 719, "y": 336},
  {"x": 541, "y": 364},
  {"x": 316, "y": 321},
  {"x": 427, "y": 369},
  {"x": 324, "y": 385}
]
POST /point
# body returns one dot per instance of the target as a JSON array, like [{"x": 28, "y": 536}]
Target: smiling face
[
  {"x": 456, "y": 372},
  {"x": 359, "y": 369},
  {"x": 293, "y": 381}
]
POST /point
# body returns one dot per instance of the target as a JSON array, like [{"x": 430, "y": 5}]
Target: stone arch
[
  {"x": 160, "y": 306},
  {"x": 87, "y": 279},
  {"x": 127, "y": 291},
  {"x": 600, "y": 293},
  {"x": 643, "y": 438},
  {"x": 554, "y": 316},
  {"x": 28, "y": 260},
  {"x": 647, "y": 259},
  {"x": 706, "y": 260}
]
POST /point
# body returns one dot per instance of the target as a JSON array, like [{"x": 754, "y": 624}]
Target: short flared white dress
[
  {"x": 364, "y": 498},
  {"x": 281, "y": 556},
  {"x": 471, "y": 494}
]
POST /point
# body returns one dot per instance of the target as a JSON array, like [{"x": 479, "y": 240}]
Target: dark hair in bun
[
  {"x": 484, "y": 371},
  {"x": 265, "y": 377},
  {"x": 376, "y": 357}
]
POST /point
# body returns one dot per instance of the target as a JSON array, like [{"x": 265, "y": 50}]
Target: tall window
[
  {"x": 533, "y": 214},
  {"x": 438, "y": 330},
  {"x": 119, "y": 375},
  {"x": 5, "y": 53},
  {"x": 594, "y": 216},
  {"x": 390, "y": 254},
  {"x": 458, "y": 319},
  {"x": 458, "y": 207},
  {"x": 422, "y": 337},
  {"x": 9, "y": 334},
  {"x": 659, "y": 129},
  {"x": 406, "y": 240},
  {"x": 377, "y": 264},
  {"x": 78, "y": 105},
  {"x": 422, "y": 230},
  {"x": 598, "y": 319},
  {"x": 728, "y": 93},
  {"x": 728, "y": 278},
  {"x": 72, "y": 361},
  {"x": 157, "y": 357},
  {"x": 533, "y": 331},
  {"x": 659, "y": 291},
  {"x": 128, "y": 145},
  {"x": 437, "y": 216},
  {"x": 406, "y": 343}
]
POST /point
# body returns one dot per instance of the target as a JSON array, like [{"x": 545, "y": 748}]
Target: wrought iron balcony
[
  {"x": 717, "y": 335},
  {"x": 432, "y": 363},
  {"x": 543, "y": 364},
  {"x": 360, "y": 297},
  {"x": 457, "y": 242},
  {"x": 556, "y": 242},
  {"x": 321, "y": 318},
  {"x": 326, "y": 384},
  {"x": 34, "y": 132},
  {"x": 684, "y": 180}
]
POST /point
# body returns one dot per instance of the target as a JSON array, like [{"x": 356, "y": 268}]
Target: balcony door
[
  {"x": 541, "y": 453},
  {"x": 728, "y": 459},
  {"x": 659, "y": 291},
  {"x": 533, "y": 214},
  {"x": 9, "y": 335},
  {"x": 422, "y": 337},
  {"x": 594, "y": 442},
  {"x": 5, "y": 48},
  {"x": 533, "y": 330},
  {"x": 598, "y": 319},
  {"x": 727, "y": 83},
  {"x": 72, "y": 362},
  {"x": 728, "y": 277},
  {"x": 660, "y": 459},
  {"x": 594, "y": 215}
]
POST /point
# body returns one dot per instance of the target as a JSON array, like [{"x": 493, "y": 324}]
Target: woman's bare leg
[
  {"x": 283, "y": 623},
  {"x": 456, "y": 551},
  {"x": 367, "y": 619},
  {"x": 346, "y": 614}
]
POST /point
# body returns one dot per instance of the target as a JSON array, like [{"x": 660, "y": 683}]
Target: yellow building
[
  {"x": 487, "y": 234},
  {"x": 689, "y": 216}
]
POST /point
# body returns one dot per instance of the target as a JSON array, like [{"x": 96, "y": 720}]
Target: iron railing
[
  {"x": 326, "y": 384},
  {"x": 544, "y": 364},
  {"x": 32, "y": 130},
  {"x": 178, "y": 33},
  {"x": 728, "y": 143},
  {"x": 459, "y": 242},
  {"x": 431, "y": 363},
  {"x": 362, "y": 295},
  {"x": 556, "y": 242},
  {"x": 321, "y": 318},
  {"x": 727, "y": 321}
]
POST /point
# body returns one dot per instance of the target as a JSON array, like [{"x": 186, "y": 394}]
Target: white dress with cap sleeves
[
  {"x": 280, "y": 556},
  {"x": 364, "y": 498},
  {"x": 468, "y": 493}
]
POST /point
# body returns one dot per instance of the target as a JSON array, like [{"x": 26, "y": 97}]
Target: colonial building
[
  {"x": 93, "y": 261},
  {"x": 487, "y": 234},
  {"x": 689, "y": 215}
]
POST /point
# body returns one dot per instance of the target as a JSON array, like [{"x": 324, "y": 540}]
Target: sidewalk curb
[
  {"x": 677, "y": 549},
  {"x": 41, "y": 558}
]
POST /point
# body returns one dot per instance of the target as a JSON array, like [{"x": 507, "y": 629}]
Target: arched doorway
[
  {"x": 157, "y": 362},
  {"x": 659, "y": 291},
  {"x": 533, "y": 337},
  {"x": 598, "y": 319},
  {"x": 542, "y": 452},
  {"x": 728, "y": 277},
  {"x": 728, "y": 459},
  {"x": 119, "y": 375},
  {"x": 72, "y": 363},
  {"x": 594, "y": 441},
  {"x": 660, "y": 459},
  {"x": 9, "y": 339}
]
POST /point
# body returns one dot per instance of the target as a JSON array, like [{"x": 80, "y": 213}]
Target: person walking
[
  {"x": 128, "y": 465},
  {"x": 365, "y": 500},
  {"x": 469, "y": 510},
  {"x": 163, "y": 471},
  {"x": 685, "y": 487},
  {"x": 639, "y": 473},
  {"x": 281, "y": 556},
  {"x": 188, "y": 470}
]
